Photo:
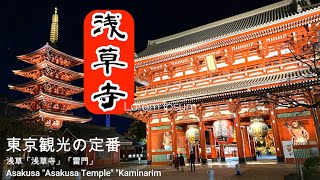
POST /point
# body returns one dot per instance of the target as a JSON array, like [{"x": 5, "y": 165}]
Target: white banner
[{"x": 287, "y": 149}]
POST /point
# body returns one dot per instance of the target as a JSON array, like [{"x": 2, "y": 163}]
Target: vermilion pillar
[
  {"x": 213, "y": 147},
  {"x": 277, "y": 141},
  {"x": 196, "y": 152},
  {"x": 174, "y": 136},
  {"x": 188, "y": 150},
  {"x": 203, "y": 147},
  {"x": 253, "y": 148},
  {"x": 222, "y": 156},
  {"x": 246, "y": 141},
  {"x": 239, "y": 139},
  {"x": 318, "y": 138},
  {"x": 149, "y": 155}
]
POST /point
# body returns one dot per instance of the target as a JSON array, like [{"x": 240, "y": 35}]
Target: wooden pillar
[
  {"x": 199, "y": 111},
  {"x": 237, "y": 126},
  {"x": 222, "y": 156},
  {"x": 315, "y": 117},
  {"x": 246, "y": 141},
  {"x": 149, "y": 154},
  {"x": 276, "y": 136},
  {"x": 317, "y": 138},
  {"x": 213, "y": 146},
  {"x": 174, "y": 133},
  {"x": 253, "y": 148},
  {"x": 196, "y": 152},
  {"x": 187, "y": 150},
  {"x": 203, "y": 146}
]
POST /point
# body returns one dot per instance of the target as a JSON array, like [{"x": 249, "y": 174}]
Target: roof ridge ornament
[{"x": 54, "y": 32}]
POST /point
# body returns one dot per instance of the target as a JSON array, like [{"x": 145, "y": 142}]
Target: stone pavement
[{"x": 221, "y": 172}]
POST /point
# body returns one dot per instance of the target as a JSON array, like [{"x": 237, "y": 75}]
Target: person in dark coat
[
  {"x": 176, "y": 162},
  {"x": 181, "y": 162},
  {"x": 192, "y": 161}
]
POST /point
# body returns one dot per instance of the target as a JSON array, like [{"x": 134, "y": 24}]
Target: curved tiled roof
[
  {"x": 77, "y": 61},
  {"x": 227, "y": 26},
  {"x": 43, "y": 95},
  {"x": 43, "y": 79}
]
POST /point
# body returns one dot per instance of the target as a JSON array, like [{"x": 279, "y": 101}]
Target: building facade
[
  {"x": 232, "y": 87},
  {"x": 96, "y": 159}
]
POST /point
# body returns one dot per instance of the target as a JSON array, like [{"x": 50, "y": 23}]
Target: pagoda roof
[
  {"x": 42, "y": 96},
  {"x": 44, "y": 79},
  {"x": 224, "y": 88},
  {"x": 44, "y": 64},
  {"x": 60, "y": 116},
  {"x": 26, "y": 57},
  {"x": 257, "y": 18}
]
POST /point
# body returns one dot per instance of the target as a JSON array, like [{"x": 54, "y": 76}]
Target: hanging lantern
[
  {"x": 47, "y": 123},
  {"x": 223, "y": 131},
  {"x": 258, "y": 129},
  {"x": 193, "y": 135},
  {"x": 56, "y": 124}
]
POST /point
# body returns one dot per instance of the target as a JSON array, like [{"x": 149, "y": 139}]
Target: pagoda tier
[
  {"x": 50, "y": 87},
  {"x": 47, "y": 102},
  {"x": 47, "y": 85},
  {"x": 49, "y": 69},
  {"x": 51, "y": 84},
  {"x": 54, "y": 120},
  {"x": 50, "y": 54}
]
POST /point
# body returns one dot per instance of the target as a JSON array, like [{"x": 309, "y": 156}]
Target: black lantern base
[{"x": 204, "y": 161}]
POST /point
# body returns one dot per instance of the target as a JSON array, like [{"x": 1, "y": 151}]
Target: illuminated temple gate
[{"x": 220, "y": 71}]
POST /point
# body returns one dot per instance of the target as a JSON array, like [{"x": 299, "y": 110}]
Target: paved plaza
[{"x": 222, "y": 171}]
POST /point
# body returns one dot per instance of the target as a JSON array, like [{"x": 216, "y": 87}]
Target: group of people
[
  {"x": 179, "y": 162},
  {"x": 259, "y": 153}
]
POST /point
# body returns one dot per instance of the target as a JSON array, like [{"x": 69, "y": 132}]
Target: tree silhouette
[{"x": 136, "y": 131}]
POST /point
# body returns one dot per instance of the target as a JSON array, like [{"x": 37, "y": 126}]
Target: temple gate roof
[{"x": 257, "y": 18}]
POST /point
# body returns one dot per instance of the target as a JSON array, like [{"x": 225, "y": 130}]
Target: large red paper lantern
[
  {"x": 223, "y": 131},
  {"x": 56, "y": 125},
  {"x": 47, "y": 123}
]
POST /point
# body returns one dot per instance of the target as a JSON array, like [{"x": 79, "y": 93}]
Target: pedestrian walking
[
  {"x": 181, "y": 162},
  {"x": 258, "y": 153},
  {"x": 176, "y": 162},
  {"x": 192, "y": 161}
]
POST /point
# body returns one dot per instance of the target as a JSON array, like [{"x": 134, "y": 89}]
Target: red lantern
[
  {"x": 47, "y": 123},
  {"x": 223, "y": 131},
  {"x": 56, "y": 124}
]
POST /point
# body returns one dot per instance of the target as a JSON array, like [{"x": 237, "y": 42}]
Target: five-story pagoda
[{"x": 51, "y": 88}]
